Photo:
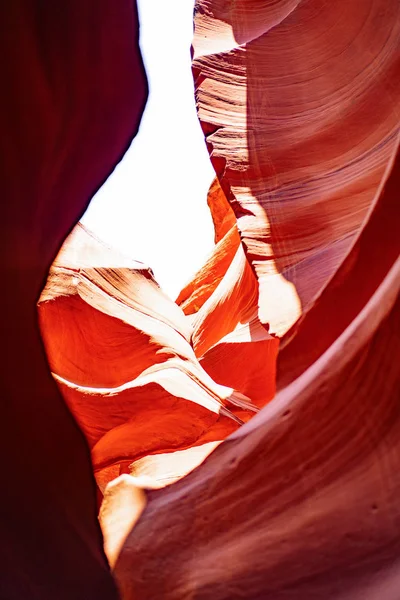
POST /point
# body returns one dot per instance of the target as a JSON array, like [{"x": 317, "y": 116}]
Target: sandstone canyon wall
[
  {"x": 129, "y": 362},
  {"x": 299, "y": 103},
  {"x": 72, "y": 97}
]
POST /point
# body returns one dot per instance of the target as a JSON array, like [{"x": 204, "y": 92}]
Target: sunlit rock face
[
  {"x": 300, "y": 114},
  {"x": 134, "y": 369},
  {"x": 299, "y": 103}
]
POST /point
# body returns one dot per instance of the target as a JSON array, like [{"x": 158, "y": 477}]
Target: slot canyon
[{"x": 242, "y": 441}]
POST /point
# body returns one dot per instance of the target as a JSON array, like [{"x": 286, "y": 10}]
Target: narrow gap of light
[{"x": 153, "y": 207}]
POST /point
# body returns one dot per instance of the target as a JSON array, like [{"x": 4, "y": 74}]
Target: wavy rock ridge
[
  {"x": 129, "y": 363},
  {"x": 299, "y": 102}
]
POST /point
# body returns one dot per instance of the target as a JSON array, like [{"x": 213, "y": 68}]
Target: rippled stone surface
[
  {"x": 126, "y": 358},
  {"x": 299, "y": 103}
]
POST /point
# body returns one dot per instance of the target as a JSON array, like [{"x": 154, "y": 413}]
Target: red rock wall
[
  {"x": 299, "y": 105},
  {"x": 302, "y": 501},
  {"x": 135, "y": 371},
  {"x": 72, "y": 97},
  {"x": 299, "y": 102}
]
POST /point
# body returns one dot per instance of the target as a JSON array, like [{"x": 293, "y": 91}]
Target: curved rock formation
[
  {"x": 299, "y": 102},
  {"x": 122, "y": 355},
  {"x": 73, "y": 94},
  {"x": 299, "y": 107},
  {"x": 302, "y": 501}
]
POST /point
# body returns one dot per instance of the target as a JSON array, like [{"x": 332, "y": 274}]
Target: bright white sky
[{"x": 153, "y": 207}]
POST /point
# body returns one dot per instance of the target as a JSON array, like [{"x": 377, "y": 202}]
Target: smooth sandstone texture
[
  {"x": 72, "y": 97},
  {"x": 299, "y": 102},
  {"x": 135, "y": 371},
  {"x": 300, "y": 114},
  {"x": 301, "y": 502},
  {"x": 126, "y": 360}
]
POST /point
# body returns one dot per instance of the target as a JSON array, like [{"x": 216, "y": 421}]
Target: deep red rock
[
  {"x": 72, "y": 97},
  {"x": 124, "y": 357},
  {"x": 302, "y": 501},
  {"x": 299, "y": 103}
]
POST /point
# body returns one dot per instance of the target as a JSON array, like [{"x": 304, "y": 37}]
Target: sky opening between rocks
[{"x": 153, "y": 207}]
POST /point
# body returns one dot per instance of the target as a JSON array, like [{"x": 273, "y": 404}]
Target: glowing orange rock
[
  {"x": 299, "y": 102},
  {"x": 308, "y": 488},
  {"x": 120, "y": 351}
]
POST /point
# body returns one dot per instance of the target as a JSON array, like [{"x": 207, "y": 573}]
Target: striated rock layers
[
  {"x": 73, "y": 95},
  {"x": 129, "y": 362},
  {"x": 299, "y": 103}
]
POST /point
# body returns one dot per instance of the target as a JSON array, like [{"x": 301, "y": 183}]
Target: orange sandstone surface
[
  {"x": 129, "y": 364},
  {"x": 294, "y": 316}
]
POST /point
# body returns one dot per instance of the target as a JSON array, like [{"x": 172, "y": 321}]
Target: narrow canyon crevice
[{"x": 301, "y": 104}]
